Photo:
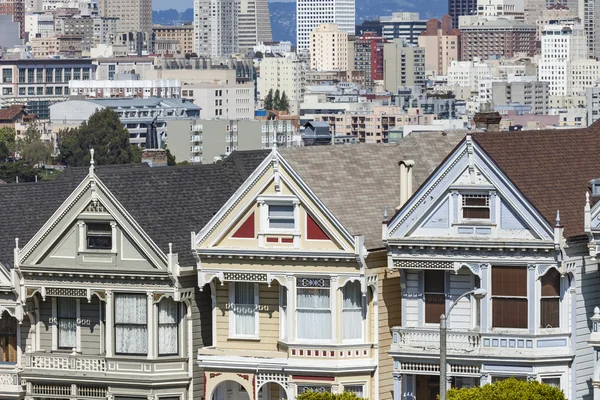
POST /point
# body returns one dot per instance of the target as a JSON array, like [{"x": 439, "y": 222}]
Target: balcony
[{"x": 473, "y": 343}]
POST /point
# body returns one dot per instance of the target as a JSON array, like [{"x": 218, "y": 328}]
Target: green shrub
[
  {"x": 509, "y": 389},
  {"x": 327, "y": 396}
]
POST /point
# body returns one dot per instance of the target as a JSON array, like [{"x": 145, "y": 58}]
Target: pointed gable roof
[
  {"x": 167, "y": 202},
  {"x": 552, "y": 168}
]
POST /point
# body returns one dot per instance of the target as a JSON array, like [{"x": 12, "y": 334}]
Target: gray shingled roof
[
  {"x": 167, "y": 202},
  {"x": 356, "y": 182}
]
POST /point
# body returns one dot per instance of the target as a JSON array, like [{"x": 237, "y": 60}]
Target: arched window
[
  {"x": 550, "y": 301},
  {"x": 8, "y": 338}
]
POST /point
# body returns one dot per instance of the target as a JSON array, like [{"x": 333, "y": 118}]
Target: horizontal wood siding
[
  {"x": 90, "y": 334},
  {"x": 461, "y": 313},
  {"x": 390, "y": 315},
  {"x": 412, "y": 300},
  {"x": 588, "y": 297},
  {"x": 268, "y": 320},
  {"x": 45, "y": 327}
]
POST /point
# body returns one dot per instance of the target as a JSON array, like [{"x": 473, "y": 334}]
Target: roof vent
[{"x": 595, "y": 184}]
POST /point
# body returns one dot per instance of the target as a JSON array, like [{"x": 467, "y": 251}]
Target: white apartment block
[
  {"x": 39, "y": 25},
  {"x": 494, "y": 9},
  {"x": 165, "y": 88},
  {"x": 329, "y": 49},
  {"x": 562, "y": 45},
  {"x": 273, "y": 48},
  {"x": 312, "y": 13},
  {"x": 469, "y": 73},
  {"x": 222, "y": 100},
  {"x": 216, "y": 27},
  {"x": 285, "y": 73}
]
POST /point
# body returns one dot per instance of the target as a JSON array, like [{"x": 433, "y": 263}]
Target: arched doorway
[
  {"x": 230, "y": 390},
  {"x": 272, "y": 391}
]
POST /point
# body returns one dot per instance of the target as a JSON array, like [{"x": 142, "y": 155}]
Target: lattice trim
[
  {"x": 412, "y": 264},
  {"x": 313, "y": 282},
  {"x": 244, "y": 277},
  {"x": 66, "y": 292}
]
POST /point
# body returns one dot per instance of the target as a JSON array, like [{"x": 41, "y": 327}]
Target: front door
[{"x": 428, "y": 387}]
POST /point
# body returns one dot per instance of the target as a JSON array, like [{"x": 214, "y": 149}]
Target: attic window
[
  {"x": 595, "y": 187},
  {"x": 476, "y": 206},
  {"x": 99, "y": 236}
]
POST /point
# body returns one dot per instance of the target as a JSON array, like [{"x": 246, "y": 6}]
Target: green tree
[
  {"x": 508, "y": 389},
  {"x": 8, "y": 139},
  {"x": 284, "y": 103},
  {"x": 258, "y": 54},
  {"x": 276, "y": 100},
  {"x": 32, "y": 148},
  {"x": 105, "y": 134},
  {"x": 268, "y": 102},
  {"x": 9, "y": 171},
  {"x": 327, "y": 396},
  {"x": 171, "y": 159}
]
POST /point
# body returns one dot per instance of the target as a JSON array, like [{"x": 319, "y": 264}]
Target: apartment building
[
  {"x": 529, "y": 92},
  {"x": 39, "y": 25},
  {"x": 368, "y": 57},
  {"x": 16, "y": 9},
  {"x": 216, "y": 28},
  {"x": 76, "y": 25},
  {"x": 222, "y": 100},
  {"x": 135, "y": 16},
  {"x": 165, "y": 88},
  {"x": 329, "y": 48},
  {"x": 286, "y": 73},
  {"x": 497, "y": 38},
  {"x": 403, "y": 65},
  {"x": 400, "y": 25},
  {"x": 183, "y": 34},
  {"x": 311, "y": 14},
  {"x": 37, "y": 83},
  {"x": 53, "y": 46},
  {"x": 506, "y": 9},
  {"x": 441, "y": 44}
]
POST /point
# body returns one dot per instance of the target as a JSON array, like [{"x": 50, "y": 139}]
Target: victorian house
[
  {"x": 98, "y": 294},
  {"x": 514, "y": 214},
  {"x": 297, "y": 271}
]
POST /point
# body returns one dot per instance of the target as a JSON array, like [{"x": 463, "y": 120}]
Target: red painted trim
[
  {"x": 246, "y": 230},
  {"x": 287, "y": 240},
  {"x": 314, "y": 378},
  {"x": 314, "y": 231},
  {"x": 272, "y": 240}
]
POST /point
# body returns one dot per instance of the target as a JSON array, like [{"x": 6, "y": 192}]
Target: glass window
[
  {"x": 281, "y": 216},
  {"x": 7, "y": 75},
  {"x": 85, "y": 74},
  {"x": 358, "y": 390},
  {"x": 30, "y": 91},
  {"x": 550, "y": 301},
  {"x": 244, "y": 309},
  {"x": 435, "y": 295},
  {"x": 8, "y": 338},
  {"x": 554, "y": 382},
  {"x": 39, "y": 90},
  {"x": 131, "y": 330},
  {"x": 39, "y": 75},
  {"x": 99, "y": 236},
  {"x": 509, "y": 297},
  {"x": 21, "y": 91},
  {"x": 313, "y": 309},
  {"x": 67, "y": 74},
  {"x": 476, "y": 206},
  {"x": 49, "y": 75},
  {"x": 58, "y": 90},
  {"x": 168, "y": 323},
  {"x": 76, "y": 73},
  {"x": 30, "y": 75},
  {"x": 66, "y": 309},
  {"x": 49, "y": 90},
  {"x": 352, "y": 311},
  {"x": 58, "y": 74}
]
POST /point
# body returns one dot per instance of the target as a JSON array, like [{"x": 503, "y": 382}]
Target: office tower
[
  {"x": 403, "y": 25},
  {"x": 135, "y": 15},
  {"x": 254, "y": 25},
  {"x": 441, "y": 44},
  {"x": 403, "y": 65},
  {"x": 312, "y": 13},
  {"x": 456, "y": 8},
  {"x": 368, "y": 57},
  {"x": 15, "y": 8},
  {"x": 328, "y": 49},
  {"x": 216, "y": 27},
  {"x": 497, "y": 38}
]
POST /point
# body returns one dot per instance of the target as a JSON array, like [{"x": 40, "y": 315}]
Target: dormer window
[
  {"x": 99, "y": 236},
  {"x": 476, "y": 206},
  {"x": 281, "y": 217},
  {"x": 595, "y": 187}
]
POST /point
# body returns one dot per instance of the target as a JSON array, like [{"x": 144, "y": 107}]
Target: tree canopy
[
  {"x": 276, "y": 101},
  {"x": 508, "y": 389},
  {"x": 32, "y": 148},
  {"x": 103, "y": 132},
  {"x": 328, "y": 396}
]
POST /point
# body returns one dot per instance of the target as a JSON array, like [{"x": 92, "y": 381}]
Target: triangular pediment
[
  {"x": 91, "y": 230},
  {"x": 469, "y": 198},
  {"x": 274, "y": 210}
]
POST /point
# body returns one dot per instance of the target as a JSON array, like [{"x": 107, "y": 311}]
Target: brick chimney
[{"x": 487, "y": 119}]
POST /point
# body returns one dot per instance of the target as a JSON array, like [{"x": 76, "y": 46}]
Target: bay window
[
  {"x": 313, "y": 309},
  {"x": 352, "y": 326},
  {"x": 550, "y": 301},
  {"x": 435, "y": 295},
  {"x": 66, "y": 311},
  {"x": 131, "y": 330},
  {"x": 244, "y": 309},
  {"x": 509, "y": 297},
  {"x": 168, "y": 327},
  {"x": 8, "y": 338}
]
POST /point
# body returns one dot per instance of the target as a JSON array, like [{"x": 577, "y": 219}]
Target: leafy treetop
[{"x": 508, "y": 389}]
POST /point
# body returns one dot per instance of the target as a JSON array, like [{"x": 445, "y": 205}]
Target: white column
[
  {"x": 78, "y": 322},
  {"x": 81, "y": 232},
  {"x": 109, "y": 323},
  {"x": 291, "y": 308},
  {"x": 54, "y": 324},
  {"x": 397, "y": 386},
  {"x": 152, "y": 342},
  {"x": 334, "y": 307},
  {"x": 113, "y": 230}
]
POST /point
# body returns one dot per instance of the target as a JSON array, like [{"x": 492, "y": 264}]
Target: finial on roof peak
[
  {"x": 587, "y": 198},
  {"x": 92, "y": 162},
  {"x": 557, "y": 217},
  {"x": 385, "y": 212}
]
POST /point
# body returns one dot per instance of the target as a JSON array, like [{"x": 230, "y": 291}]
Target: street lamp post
[{"x": 478, "y": 294}]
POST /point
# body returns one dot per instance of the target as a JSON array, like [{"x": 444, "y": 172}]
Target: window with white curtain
[
  {"x": 352, "y": 325},
  {"x": 243, "y": 309},
  {"x": 131, "y": 328},
  {"x": 358, "y": 390},
  {"x": 168, "y": 323},
  {"x": 66, "y": 310},
  {"x": 313, "y": 309}
]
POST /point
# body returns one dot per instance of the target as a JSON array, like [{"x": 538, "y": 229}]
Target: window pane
[
  {"x": 281, "y": 211},
  {"x": 476, "y": 213},
  {"x": 358, "y": 390},
  {"x": 131, "y": 335},
  {"x": 167, "y": 326},
  {"x": 509, "y": 313},
  {"x": 475, "y": 201},
  {"x": 435, "y": 306},
  {"x": 131, "y": 339},
  {"x": 67, "y": 322},
  {"x": 551, "y": 283},
  {"x": 281, "y": 223},
  {"x": 244, "y": 309},
  {"x": 99, "y": 236},
  {"x": 130, "y": 308},
  {"x": 554, "y": 382},
  {"x": 550, "y": 315},
  {"x": 314, "y": 314},
  {"x": 434, "y": 281},
  {"x": 352, "y": 311},
  {"x": 509, "y": 281}
]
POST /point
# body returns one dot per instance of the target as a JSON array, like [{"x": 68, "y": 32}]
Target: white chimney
[{"x": 405, "y": 180}]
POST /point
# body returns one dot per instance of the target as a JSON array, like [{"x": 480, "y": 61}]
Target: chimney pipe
[{"x": 405, "y": 180}]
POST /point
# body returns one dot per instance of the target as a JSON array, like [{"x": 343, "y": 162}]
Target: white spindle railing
[
  {"x": 68, "y": 362},
  {"x": 425, "y": 339}
]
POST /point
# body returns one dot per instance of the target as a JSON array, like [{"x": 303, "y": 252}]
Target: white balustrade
[
  {"x": 9, "y": 379},
  {"x": 429, "y": 339},
  {"x": 76, "y": 363}
]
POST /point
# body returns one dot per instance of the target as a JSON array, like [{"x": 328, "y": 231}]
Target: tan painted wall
[{"x": 390, "y": 314}]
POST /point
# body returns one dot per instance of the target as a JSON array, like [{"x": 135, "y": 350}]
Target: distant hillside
[{"x": 283, "y": 15}]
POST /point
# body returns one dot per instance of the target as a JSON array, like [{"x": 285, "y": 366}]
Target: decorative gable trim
[
  {"x": 247, "y": 229},
  {"x": 314, "y": 230}
]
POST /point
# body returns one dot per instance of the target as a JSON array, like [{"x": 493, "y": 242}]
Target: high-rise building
[
  {"x": 286, "y": 73},
  {"x": 457, "y": 8},
  {"x": 403, "y": 25},
  {"x": 135, "y": 15},
  {"x": 183, "y": 34},
  {"x": 216, "y": 27},
  {"x": 368, "y": 57},
  {"x": 15, "y": 8},
  {"x": 329, "y": 49},
  {"x": 441, "y": 44},
  {"x": 589, "y": 14},
  {"x": 497, "y": 38},
  {"x": 494, "y": 9},
  {"x": 403, "y": 65},
  {"x": 254, "y": 24},
  {"x": 312, "y": 13}
]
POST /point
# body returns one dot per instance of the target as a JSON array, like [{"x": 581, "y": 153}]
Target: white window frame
[
  {"x": 362, "y": 383},
  {"x": 332, "y": 316},
  {"x": 463, "y": 196},
  {"x": 552, "y": 376},
  {"x": 232, "y": 333},
  {"x": 362, "y": 316},
  {"x": 55, "y": 326}
]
